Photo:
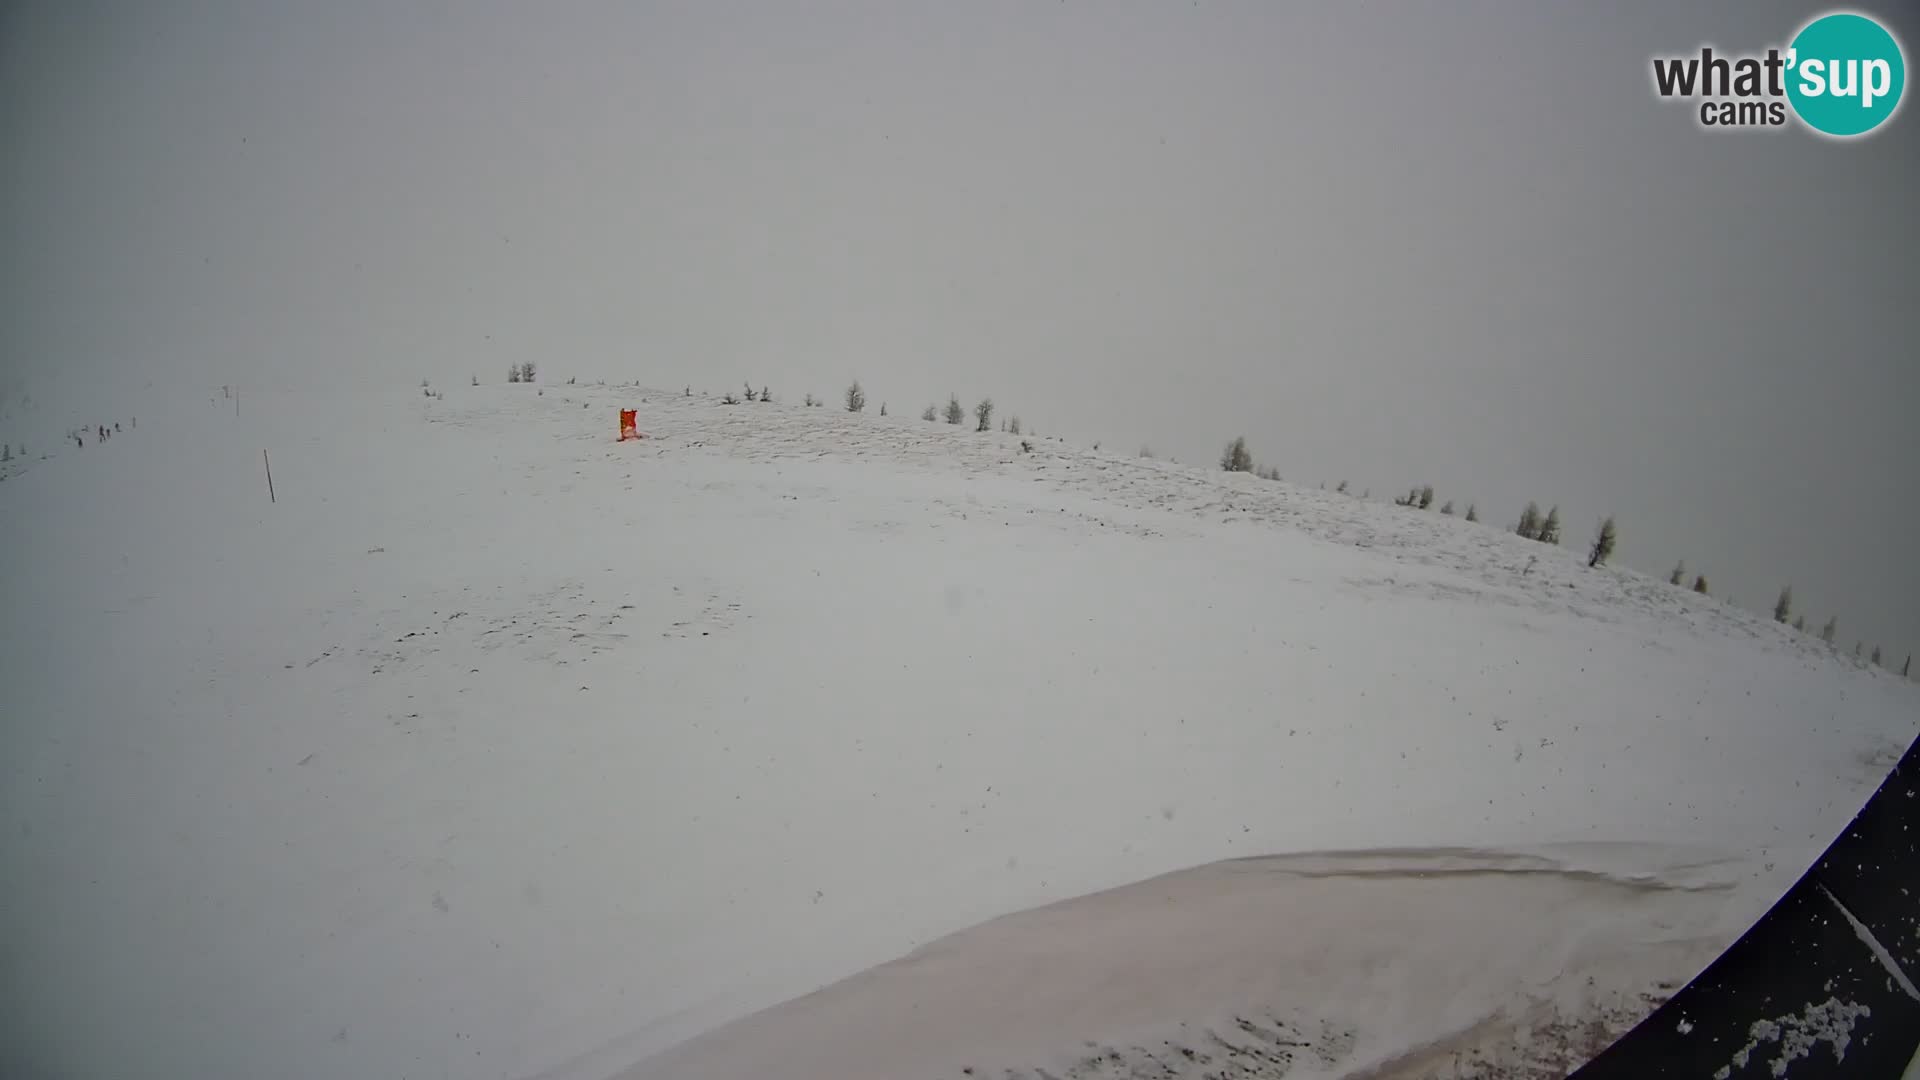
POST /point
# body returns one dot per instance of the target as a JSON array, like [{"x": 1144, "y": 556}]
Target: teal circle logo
[{"x": 1845, "y": 74}]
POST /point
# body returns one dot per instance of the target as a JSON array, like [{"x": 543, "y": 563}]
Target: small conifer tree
[
  {"x": 1529, "y": 524},
  {"x": 1236, "y": 457},
  {"x": 1603, "y": 542},
  {"x": 1550, "y": 528}
]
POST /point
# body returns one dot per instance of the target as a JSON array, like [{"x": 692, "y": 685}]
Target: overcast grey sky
[{"x": 1394, "y": 243}]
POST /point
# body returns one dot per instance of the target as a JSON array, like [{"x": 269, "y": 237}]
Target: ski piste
[{"x": 1823, "y": 985}]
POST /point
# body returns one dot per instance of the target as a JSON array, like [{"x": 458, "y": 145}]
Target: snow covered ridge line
[
  {"x": 1516, "y": 571},
  {"x": 1530, "y": 568},
  {"x": 1381, "y": 964}
]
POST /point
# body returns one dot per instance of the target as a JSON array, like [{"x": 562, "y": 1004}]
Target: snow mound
[{"x": 1367, "y": 963}]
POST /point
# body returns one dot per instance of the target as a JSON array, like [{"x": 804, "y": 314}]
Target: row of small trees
[
  {"x": 1783, "y": 613},
  {"x": 1421, "y": 498},
  {"x": 956, "y": 413},
  {"x": 855, "y": 400},
  {"x": 1679, "y": 577},
  {"x": 1546, "y": 529},
  {"x": 763, "y": 394},
  {"x": 1532, "y": 526}
]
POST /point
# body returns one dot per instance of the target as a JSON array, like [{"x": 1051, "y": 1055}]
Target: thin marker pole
[{"x": 269, "y": 465}]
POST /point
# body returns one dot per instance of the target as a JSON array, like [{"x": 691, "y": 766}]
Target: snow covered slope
[{"x": 497, "y": 749}]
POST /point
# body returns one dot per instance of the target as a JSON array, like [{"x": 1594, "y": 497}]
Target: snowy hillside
[{"x": 495, "y": 748}]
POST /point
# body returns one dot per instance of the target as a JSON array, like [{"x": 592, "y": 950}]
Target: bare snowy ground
[{"x": 496, "y": 749}]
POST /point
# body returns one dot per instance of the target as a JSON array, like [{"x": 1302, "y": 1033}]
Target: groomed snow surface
[{"x": 497, "y": 749}]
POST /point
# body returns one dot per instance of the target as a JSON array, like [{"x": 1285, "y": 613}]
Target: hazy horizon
[{"x": 1392, "y": 245}]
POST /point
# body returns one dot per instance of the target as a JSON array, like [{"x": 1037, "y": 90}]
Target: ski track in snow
[{"x": 498, "y": 749}]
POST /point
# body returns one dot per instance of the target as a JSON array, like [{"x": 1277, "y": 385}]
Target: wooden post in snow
[{"x": 269, "y": 465}]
